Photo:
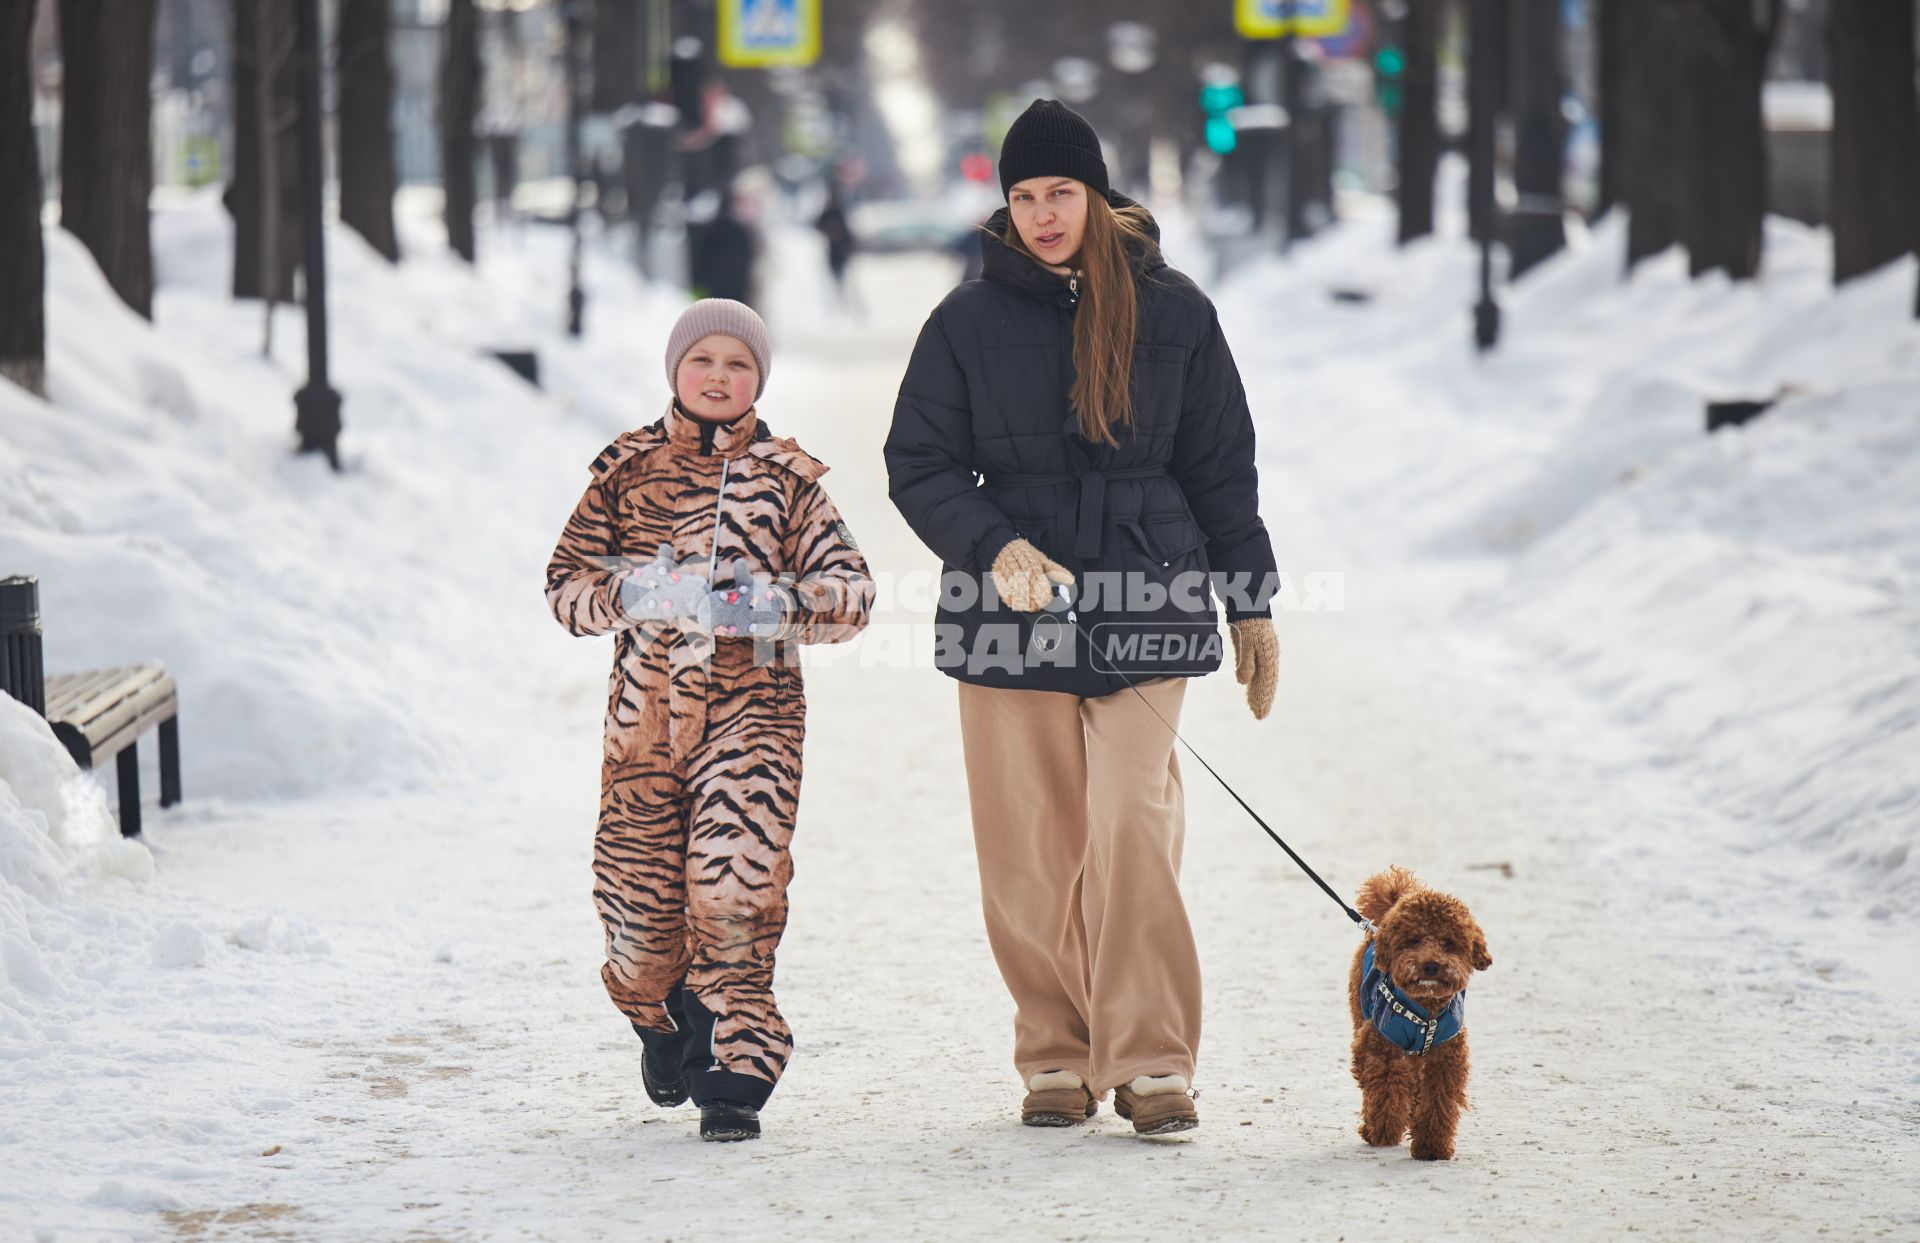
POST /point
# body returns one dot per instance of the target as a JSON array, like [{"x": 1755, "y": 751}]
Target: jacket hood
[
  {"x": 1004, "y": 265},
  {"x": 782, "y": 451}
]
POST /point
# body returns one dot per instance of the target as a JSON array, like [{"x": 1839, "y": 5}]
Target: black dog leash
[{"x": 1364, "y": 923}]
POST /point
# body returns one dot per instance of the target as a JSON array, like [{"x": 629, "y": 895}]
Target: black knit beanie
[{"x": 1050, "y": 139}]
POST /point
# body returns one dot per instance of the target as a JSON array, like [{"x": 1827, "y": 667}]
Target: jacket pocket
[
  {"x": 1166, "y": 538},
  {"x": 1175, "y": 552}
]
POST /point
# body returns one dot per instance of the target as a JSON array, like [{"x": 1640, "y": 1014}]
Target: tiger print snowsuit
[{"x": 700, "y": 777}]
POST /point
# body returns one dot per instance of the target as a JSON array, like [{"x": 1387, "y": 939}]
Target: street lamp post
[
  {"x": 576, "y": 296},
  {"x": 1292, "y": 99},
  {"x": 316, "y": 406},
  {"x": 1483, "y": 88}
]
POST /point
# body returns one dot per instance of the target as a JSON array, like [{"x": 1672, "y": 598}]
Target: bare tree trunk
[
  {"x": 1653, "y": 153},
  {"x": 1724, "y": 193},
  {"x": 618, "y": 60},
  {"x": 272, "y": 167},
  {"x": 459, "y": 104},
  {"x": 366, "y": 124},
  {"x": 1419, "y": 122},
  {"x": 1613, "y": 48},
  {"x": 1483, "y": 218},
  {"x": 1537, "y": 228},
  {"x": 263, "y": 121},
  {"x": 106, "y": 151},
  {"x": 23, "y": 265},
  {"x": 1874, "y": 195}
]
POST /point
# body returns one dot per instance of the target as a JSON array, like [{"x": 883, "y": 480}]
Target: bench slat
[
  {"x": 78, "y": 697},
  {"x": 94, "y": 681},
  {"x": 67, "y": 689},
  {"x": 130, "y": 716},
  {"x": 130, "y": 728},
  {"x": 100, "y": 712},
  {"x": 72, "y": 690}
]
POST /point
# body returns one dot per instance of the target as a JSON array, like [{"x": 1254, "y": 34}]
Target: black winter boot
[
  {"x": 726, "y": 1122},
  {"x": 660, "y": 1066}
]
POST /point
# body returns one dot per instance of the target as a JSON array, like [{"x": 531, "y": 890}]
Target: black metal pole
[
  {"x": 1537, "y": 229},
  {"x": 576, "y": 296},
  {"x": 1292, "y": 99},
  {"x": 1483, "y": 87},
  {"x": 316, "y": 407}
]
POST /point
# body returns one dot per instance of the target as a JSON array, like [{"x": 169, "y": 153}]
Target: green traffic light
[
  {"x": 1220, "y": 135},
  {"x": 1217, "y": 97},
  {"x": 1390, "y": 60}
]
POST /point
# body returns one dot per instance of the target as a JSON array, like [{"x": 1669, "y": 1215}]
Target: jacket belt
[{"x": 1092, "y": 506}]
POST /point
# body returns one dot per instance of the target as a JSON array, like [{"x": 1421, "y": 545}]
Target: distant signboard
[
  {"x": 763, "y": 34},
  {"x": 1309, "y": 19}
]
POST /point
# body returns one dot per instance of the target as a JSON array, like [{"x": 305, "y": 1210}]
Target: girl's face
[
  {"x": 1051, "y": 216},
  {"x": 717, "y": 379}
]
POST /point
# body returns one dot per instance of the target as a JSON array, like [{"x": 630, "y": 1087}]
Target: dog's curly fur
[{"x": 1429, "y": 945}]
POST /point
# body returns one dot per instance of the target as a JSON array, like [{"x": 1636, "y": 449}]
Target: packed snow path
[{"x": 425, "y": 1050}]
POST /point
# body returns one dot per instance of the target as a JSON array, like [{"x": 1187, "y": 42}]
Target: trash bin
[{"x": 22, "y": 674}]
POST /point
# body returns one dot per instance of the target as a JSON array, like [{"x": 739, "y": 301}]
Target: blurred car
[{"x": 921, "y": 226}]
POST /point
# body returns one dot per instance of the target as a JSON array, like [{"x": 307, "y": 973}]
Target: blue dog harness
[{"x": 1403, "y": 1021}]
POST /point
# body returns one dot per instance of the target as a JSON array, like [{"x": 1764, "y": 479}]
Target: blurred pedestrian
[
  {"x": 841, "y": 245},
  {"x": 723, "y": 254},
  {"x": 1077, "y": 413}
]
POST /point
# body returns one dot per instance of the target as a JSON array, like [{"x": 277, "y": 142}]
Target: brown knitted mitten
[
  {"x": 1256, "y": 661},
  {"x": 1025, "y": 577}
]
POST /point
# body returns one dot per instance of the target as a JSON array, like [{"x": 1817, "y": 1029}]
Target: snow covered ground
[{"x": 1647, "y": 699}]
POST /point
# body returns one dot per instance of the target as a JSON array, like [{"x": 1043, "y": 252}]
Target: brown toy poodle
[{"x": 1407, "y": 993}]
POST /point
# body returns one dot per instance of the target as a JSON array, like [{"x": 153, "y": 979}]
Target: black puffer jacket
[{"x": 984, "y": 448}]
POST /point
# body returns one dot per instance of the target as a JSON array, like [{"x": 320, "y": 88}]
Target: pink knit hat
[{"x": 728, "y": 318}]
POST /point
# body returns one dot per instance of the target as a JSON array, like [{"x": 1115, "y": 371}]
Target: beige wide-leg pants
[{"x": 1078, "y": 818}]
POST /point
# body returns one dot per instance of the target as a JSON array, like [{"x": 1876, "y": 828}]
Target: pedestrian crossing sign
[
  {"x": 1309, "y": 19},
  {"x": 764, "y": 34}
]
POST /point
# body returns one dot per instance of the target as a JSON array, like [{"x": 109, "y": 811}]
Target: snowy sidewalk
[{"x": 397, "y": 997}]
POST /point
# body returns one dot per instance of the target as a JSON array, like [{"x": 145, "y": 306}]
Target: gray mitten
[
  {"x": 743, "y": 603},
  {"x": 662, "y": 590}
]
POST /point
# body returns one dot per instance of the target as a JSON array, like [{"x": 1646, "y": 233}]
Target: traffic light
[
  {"x": 1389, "y": 68},
  {"x": 1216, "y": 100}
]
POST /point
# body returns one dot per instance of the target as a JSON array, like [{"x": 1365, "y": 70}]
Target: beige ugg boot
[
  {"x": 1057, "y": 1098},
  {"x": 1157, "y": 1104}
]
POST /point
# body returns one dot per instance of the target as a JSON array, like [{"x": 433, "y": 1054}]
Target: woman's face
[
  {"x": 717, "y": 379},
  {"x": 1050, "y": 214}
]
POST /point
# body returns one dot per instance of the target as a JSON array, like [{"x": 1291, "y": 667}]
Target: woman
[{"x": 1088, "y": 385}]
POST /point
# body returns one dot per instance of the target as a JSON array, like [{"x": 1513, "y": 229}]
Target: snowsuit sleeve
[
  {"x": 931, "y": 476},
  {"x": 583, "y": 575},
  {"x": 1213, "y": 461},
  {"x": 832, "y": 590}
]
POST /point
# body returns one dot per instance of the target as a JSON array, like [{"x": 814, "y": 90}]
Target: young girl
[{"x": 707, "y": 546}]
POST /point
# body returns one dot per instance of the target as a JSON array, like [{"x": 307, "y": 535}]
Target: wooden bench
[{"x": 101, "y": 714}]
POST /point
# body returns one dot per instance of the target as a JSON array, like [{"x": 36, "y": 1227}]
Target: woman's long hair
[{"x": 1104, "y": 324}]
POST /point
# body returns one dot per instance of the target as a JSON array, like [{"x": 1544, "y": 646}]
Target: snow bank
[
  {"x": 1749, "y": 601},
  {"x": 56, "y": 835},
  {"x": 340, "y": 638},
  {"x": 369, "y": 630}
]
